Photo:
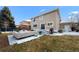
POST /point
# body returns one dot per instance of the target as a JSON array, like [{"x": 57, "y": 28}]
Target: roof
[
  {"x": 47, "y": 12},
  {"x": 25, "y": 22}
]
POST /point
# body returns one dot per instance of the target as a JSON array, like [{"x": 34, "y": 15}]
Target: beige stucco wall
[{"x": 51, "y": 17}]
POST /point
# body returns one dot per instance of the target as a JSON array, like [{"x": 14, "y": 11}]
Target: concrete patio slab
[{"x": 13, "y": 40}]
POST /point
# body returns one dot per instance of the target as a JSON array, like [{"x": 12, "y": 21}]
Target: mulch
[{"x": 3, "y": 41}]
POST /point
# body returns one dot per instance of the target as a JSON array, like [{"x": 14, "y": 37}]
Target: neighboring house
[
  {"x": 46, "y": 21},
  {"x": 25, "y": 25},
  {"x": 67, "y": 25},
  {"x": 17, "y": 26}
]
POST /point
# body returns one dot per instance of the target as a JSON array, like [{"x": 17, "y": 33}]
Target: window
[
  {"x": 42, "y": 26},
  {"x": 49, "y": 24},
  {"x": 35, "y": 25}
]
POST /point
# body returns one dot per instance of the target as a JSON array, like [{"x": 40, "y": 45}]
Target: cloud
[
  {"x": 28, "y": 20},
  {"x": 69, "y": 17},
  {"x": 74, "y": 12},
  {"x": 42, "y": 10}
]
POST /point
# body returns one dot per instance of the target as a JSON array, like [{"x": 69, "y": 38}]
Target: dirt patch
[{"x": 3, "y": 40}]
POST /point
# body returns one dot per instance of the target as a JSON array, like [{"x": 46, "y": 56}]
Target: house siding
[{"x": 51, "y": 17}]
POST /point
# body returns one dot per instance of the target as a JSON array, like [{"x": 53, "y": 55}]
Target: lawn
[{"x": 47, "y": 44}]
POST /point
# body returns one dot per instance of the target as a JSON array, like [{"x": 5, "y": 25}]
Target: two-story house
[{"x": 46, "y": 21}]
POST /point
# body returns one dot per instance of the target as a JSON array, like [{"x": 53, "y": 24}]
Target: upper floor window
[
  {"x": 49, "y": 24},
  {"x": 42, "y": 26},
  {"x": 35, "y": 25}
]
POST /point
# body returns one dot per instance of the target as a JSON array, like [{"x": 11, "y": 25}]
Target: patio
[{"x": 13, "y": 40}]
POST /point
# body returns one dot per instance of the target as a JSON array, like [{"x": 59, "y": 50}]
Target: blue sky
[{"x": 21, "y": 13}]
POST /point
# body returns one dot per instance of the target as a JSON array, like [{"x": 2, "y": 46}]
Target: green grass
[{"x": 47, "y": 44}]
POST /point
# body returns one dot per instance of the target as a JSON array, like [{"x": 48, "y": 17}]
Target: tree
[
  {"x": 6, "y": 18},
  {"x": 0, "y": 20}
]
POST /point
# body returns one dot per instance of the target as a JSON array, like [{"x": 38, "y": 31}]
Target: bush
[
  {"x": 40, "y": 32},
  {"x": 60, "y": 31},
  {"x": 17, "y": 29},
  {"x": 51, "y": 31},
  {"x": 73, "y": 28}
]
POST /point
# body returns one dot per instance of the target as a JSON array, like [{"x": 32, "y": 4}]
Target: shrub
[
  {"x": 40, "y": 32},
  {"x": 60, "y": 31},
  {"x": 51, "y": 30},
  {"x": 17, "y": 29},
  {"x": 73, "y": 28}
]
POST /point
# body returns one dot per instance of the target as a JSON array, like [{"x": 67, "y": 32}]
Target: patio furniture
[{"x": 20, "y": 35}]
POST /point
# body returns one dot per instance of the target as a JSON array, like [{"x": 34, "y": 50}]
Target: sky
[{"x": 21, "y": 13}]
